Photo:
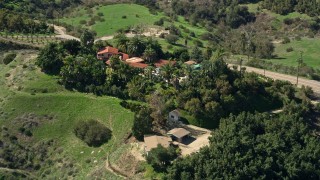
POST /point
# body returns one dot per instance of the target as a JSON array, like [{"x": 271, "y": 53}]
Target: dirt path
[
  {"x": 315, "y": 85},
  {"x": 61, "y": 33}
]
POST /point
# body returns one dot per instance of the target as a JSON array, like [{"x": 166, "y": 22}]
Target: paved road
[{"x": 315, "y": 85}]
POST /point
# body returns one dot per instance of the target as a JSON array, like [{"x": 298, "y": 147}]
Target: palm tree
[
  {"x": 148, "y": 72},
  {"x": 135, "y": 46},
  {"x": 215, "y": 65},
  {"x": 166, "y": 72},
  {"x": 122, "y": 42},
  {"x": 149, "y": 54}
]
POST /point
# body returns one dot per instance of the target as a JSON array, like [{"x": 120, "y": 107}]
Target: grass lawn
[
  {"x": 113, "y": 16},
  {"x": 309, "y": 47},
  {"x": 67, "y": 108}
]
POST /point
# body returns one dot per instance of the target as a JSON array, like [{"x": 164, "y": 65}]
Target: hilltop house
[
  {"x": 109, "y": 51},
  {"x": 136, "y": 62}
]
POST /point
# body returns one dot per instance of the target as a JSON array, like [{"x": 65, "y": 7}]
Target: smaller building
[
  {"x": 174, "y": 115},
  {"x": 190, "y": 62},
  {"x": 153, "y": 141},
  {"x": 178, "y": 134}
]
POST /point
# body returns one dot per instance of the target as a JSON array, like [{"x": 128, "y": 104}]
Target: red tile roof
[
  {"x": 138, "y": 65},
  {"x": 163, "y": 62},
  {"x": 109, "y": 49},
  {"x": 125, "y": 56}
]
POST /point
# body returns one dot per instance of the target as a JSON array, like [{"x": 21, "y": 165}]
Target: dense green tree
[
  {"x": 50, "y": 59},
  {"x": 72, "y": 47},
  {"x": 196, "y": 54},
  {"x": 136, "y": 46},
  {"x": 166, "y": 72},
  {"x": 248, "y": 145},
  {"x": 83, "y": 73},
  {"x": 142, "y": 124},
  {"x": 122, "y": 41},
  {"x": 92, "y": 132},
  {"x": 159, "y": 158},
  {"x": 171, "y": 38},
  {"x": 18, "y": 23},
  {"x": 87, "y": 39},
  {"x": 120, "y": 73},
  {"x": 150, "y": 54}
]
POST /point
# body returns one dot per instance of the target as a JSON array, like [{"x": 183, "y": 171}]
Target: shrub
[
  {"x": 91, "y": 22},
  {"x": 182, "y": 27},
  {"x": 9, "y": 58},
  {"x": 124, "y": 17},
  {"x": 159, "y": 23},
  {"x": 192, "y": 34},
  {"x": 298, "y": 38},
  {"x": 83, "y": 21},
  {"x": 289, "y": 49},
  {"x": 172, "y": 39},
  {"x": 288, "y": 21},
  {"x": 100, "y": 14},
  {"x": 186, "y": 30},
  {"x": 92, "y": 132},
  {"x": 286, "y": 40},
  {"x": 206, "y": 36},
  {"x": 310, "y": 35},
  {"x": 45, "y": 90},
  {"x": 162, "y": 35},
  {"x": 198, "y": 43}
]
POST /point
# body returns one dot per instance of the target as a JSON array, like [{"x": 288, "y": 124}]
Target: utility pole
[{"x": 300, "y": 61}]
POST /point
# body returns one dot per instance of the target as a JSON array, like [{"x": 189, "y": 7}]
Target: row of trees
[{"x": 16, "y": 23}]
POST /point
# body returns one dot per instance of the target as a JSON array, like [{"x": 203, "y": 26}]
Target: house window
[{"x": 172, "y": 116}]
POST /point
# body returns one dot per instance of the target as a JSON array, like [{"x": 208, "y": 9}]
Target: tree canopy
[
  {"x": 92, "y": 132},
  {"x": 256, "y": 146}
]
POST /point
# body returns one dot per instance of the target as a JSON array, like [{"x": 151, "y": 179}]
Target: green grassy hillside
[
  {"x": 115, "y": 17},
  {"x": 26, "y": 90},
  {"x": 309, "y": 47}
]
